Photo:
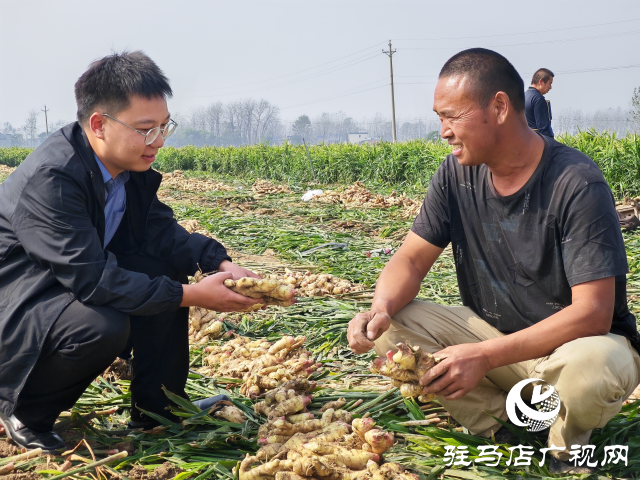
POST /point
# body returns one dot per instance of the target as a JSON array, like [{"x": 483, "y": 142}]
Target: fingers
[
  {"x": 433, "y": 373},
  {"x": 252, "y": 274},
  {"x": 355, "y": 333},
  {"x": 377, "y": 326},
  {"x": 242, "y": 300},
  {"x": 455, "y": 395}
]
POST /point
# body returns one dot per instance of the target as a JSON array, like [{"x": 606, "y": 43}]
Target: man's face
[
  {"x": 545, "y": 86},
  {"x": 464, "y": 125},
  {"x": 124, "y": 148}
]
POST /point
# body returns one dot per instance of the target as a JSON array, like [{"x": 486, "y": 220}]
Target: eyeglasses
[{"x": 152, "y": 134}]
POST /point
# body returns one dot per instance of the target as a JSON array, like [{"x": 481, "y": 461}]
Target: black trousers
[{"x": 86, "y": 339}]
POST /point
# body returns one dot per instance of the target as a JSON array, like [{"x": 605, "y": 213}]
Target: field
[{"x": 268, "y": 232}]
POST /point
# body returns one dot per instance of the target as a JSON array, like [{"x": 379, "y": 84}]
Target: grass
[{"x": 283, "y": 226}]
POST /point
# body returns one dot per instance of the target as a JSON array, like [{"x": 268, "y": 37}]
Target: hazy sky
[{"x": 310, "y": 57}]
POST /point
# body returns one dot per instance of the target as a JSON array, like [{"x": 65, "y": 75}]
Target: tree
[
  {"x": 635, "y": 108},
  {"x": 30, "y": 128},
  {"x": 8, "y": 129},
  {"x": 302, "y": 126}
]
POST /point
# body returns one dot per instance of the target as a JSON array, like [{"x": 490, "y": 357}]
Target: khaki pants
[{"x": 593, "y": 375}]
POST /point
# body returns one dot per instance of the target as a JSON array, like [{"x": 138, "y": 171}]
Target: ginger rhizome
[
  {"x": 406, "y": 367},
  {"x": 270, "y": 290},
  {"x": 265, "y": 368},
  {"x": 296, "y": 444}
]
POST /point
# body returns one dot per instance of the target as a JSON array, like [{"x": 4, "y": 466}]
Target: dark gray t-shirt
[{"x": 518, "y": 256}]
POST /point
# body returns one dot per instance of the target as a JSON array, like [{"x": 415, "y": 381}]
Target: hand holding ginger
[
  {"x": 210, "y": 293},
  {"x": 460, "y": 370}
]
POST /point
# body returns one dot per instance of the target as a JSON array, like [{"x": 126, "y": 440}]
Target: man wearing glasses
[{"x": 93, "y": 265}]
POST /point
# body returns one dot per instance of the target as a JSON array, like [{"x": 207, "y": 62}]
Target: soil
[
  {"x": 166, "y": 471},
  {"x": 7, "y": 449},
  {"x": 22, "y": 476},
  {"x": 119, "y": 370}
]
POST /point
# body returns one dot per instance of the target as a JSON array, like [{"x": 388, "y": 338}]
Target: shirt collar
[{"x": 106, "y": 176}]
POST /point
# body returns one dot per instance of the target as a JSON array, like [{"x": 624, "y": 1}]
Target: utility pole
[
  {"x": 393, "y": 103},
  {"x": 46, "y": 120}
]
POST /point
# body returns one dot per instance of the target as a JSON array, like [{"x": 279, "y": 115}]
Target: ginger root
[
  {"x": 231, "y": 413},
  {"x": 269, "y": 290},
  {"x": 406, "y": 367}
]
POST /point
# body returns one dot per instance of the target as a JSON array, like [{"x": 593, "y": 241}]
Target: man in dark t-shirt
[{"x": 540, "y": 262}]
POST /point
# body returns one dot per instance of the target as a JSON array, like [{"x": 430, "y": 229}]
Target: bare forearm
[
  {"x": 539, "y": 340},
  {"x": 398, "y": 284}
]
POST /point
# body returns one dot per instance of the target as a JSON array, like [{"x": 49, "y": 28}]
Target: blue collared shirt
[{"x": 115, "y": 200}]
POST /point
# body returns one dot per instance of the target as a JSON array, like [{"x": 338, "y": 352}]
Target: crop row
[{"x": 401, "y": 165}]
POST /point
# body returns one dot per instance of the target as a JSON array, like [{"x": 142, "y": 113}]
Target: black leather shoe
[
  {"x": 207, "y": 403},
  {"x": 28, "y": 438}
]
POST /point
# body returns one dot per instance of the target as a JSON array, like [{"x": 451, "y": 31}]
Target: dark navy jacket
[
  {"x": 538, "y": 112},
  {"x": 51, "y": 250}
]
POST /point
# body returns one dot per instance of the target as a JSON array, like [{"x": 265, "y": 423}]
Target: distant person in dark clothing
[{"x": 537, "y": 108}]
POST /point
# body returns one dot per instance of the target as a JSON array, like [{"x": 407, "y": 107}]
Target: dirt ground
[{"x": 166, "y": 471}]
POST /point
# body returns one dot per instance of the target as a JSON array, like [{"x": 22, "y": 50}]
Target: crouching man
[
  {"x": 540, "y": 263},
  {"x": 93, "y": 265}
]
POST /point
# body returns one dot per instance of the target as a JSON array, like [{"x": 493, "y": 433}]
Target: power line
[
  {"x": 315, "y": 75},
  {"x": 294, "y": 73},
  {"x": 518, "y": 33},
  {"x": 591, "y": 37},
  {"x": 333, "y": 97}
]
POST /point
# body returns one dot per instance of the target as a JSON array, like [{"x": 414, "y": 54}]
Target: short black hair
[
  {"x": 110, "y": 82},
  {"x": 489, "y": 73},
  {"x": 543, "y": 74}
]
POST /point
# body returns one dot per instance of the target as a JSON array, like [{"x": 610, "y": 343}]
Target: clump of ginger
[
  {"x": 270, "y": 290},
  {"x": 405, "y": 368}
]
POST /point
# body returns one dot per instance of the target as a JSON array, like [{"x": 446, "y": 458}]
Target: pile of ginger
[
  {"x": 295, "y": 443},
  {"x": 261, "y": 365},
  {"x": 309, "y": 284},
  {"x": 297, "y": 446}
]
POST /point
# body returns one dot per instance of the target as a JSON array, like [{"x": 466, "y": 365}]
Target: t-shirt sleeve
[
  {"x": 592, "y": 244},
  {"x": 432, "y": 223}
]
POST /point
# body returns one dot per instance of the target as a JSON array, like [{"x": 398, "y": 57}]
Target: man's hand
[
  {"x": 236, "y": 270},
  {"x": 460, "y": 369},
  {"x": 366, "y": 327},
  {"x": 211, "y": 293}
]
